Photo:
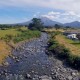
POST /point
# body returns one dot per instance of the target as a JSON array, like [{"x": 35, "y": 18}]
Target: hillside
[{"x": 73, "y": 24}]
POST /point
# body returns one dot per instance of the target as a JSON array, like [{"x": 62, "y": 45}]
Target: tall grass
[
  {"x": 18, "y": 34},
  {"x": 26, "y": 35}
]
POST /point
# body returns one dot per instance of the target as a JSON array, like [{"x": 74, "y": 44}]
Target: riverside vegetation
[
  {"x": 10, "y": 37},
  {"x": 62, "y": 47}
]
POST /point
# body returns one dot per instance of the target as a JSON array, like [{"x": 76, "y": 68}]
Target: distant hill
[
  {"x": 23, "y": 23},
  {"x": 73, "y": 24},
  {"x": 46, "y": 22}
]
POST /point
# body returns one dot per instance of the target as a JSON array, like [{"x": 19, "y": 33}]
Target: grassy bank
[
  {"x": 5, "y": 50},
  {"x": 64, "y": 49},
  {"x": 11, "y": 37},
  {"x": 26, "y": 35},
  {"x": 18, "y": 34}
]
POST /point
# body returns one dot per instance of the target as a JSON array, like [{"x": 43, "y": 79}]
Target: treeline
[
  {"x": 57, "y": 26},
  {"x": 5, "y": 26},
  {"x": 36, "y": 24}
]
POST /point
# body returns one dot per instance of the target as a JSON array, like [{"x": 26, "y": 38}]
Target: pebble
[
  {"x": 32, "y": 71},
  {"x": 45, "y": 77},
  {"x": 73, "y": 74},
  {"x": 28, "y": 76},
  {"x": 69, "y": 78},
  {"x": 5, "y": 64}
]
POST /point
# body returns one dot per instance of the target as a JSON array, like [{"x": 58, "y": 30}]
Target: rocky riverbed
[{"x": 30, "y": 62}]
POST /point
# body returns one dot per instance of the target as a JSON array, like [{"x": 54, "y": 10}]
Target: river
[{"x": 30, "y": 62}]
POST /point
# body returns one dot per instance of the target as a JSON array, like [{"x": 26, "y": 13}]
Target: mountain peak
[
  {"x": 73, "y": 24},
  {"x": 45, "y": 18},
  {"x": 48, "y": 21},
  {"x": 76, "y": 22}
]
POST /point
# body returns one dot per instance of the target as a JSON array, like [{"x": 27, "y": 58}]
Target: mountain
[
  {"x": 46, "y": 22},
  {"x": 23, "y": 23},
  {"x": 73, "y": 24}
]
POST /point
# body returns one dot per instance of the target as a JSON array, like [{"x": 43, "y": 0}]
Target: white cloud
[
  {"x": 72, "y": 5},
  {"x": 67, "y": 16},
  {"x": 53, "y": 13},
  {"x": 71, "y": 8}
]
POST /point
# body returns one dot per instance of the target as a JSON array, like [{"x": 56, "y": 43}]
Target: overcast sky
[{"x": 14, "y": 11}]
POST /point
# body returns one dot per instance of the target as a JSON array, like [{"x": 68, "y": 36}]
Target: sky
[{"x": 17, "y": 11}]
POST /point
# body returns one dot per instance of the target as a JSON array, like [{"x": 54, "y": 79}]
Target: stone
[
  {"x": 52, "y": 73},
  {"x": 5, "y": 74},
  {"x": 28, "y": 76},
  {"x": 5, "y": 64},
  {"x": 73, "y": 74},
  {"x": 32, "y": 71},
  {"x": 45, "y": 77},
  {"x": 69, "y": 78}
]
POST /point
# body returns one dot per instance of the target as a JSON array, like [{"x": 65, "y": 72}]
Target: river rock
[
  {"x": 45, "y": 77},
  {"x": 28, "y": 76},
  {"x": 73, "y": 74},
  {"x": 5, "y": 64},
  {"x": 69, "y": 78}
]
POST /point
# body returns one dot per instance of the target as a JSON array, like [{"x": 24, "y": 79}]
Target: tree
[
  {"x": 36, "y": 24},
  {"x": 57, "y": 26},
  {"x": 68, "y": 27}
]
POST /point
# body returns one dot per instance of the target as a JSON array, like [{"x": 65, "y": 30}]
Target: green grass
[
  {"x": 26, "y": 35},
  {"x": 11, "y": 36},
  {"x": 12, "y": 32},
  {"x": 65, "y": 48},
  {"x": 76, "y": 43},
  {"x": 18, "y": 34}
]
